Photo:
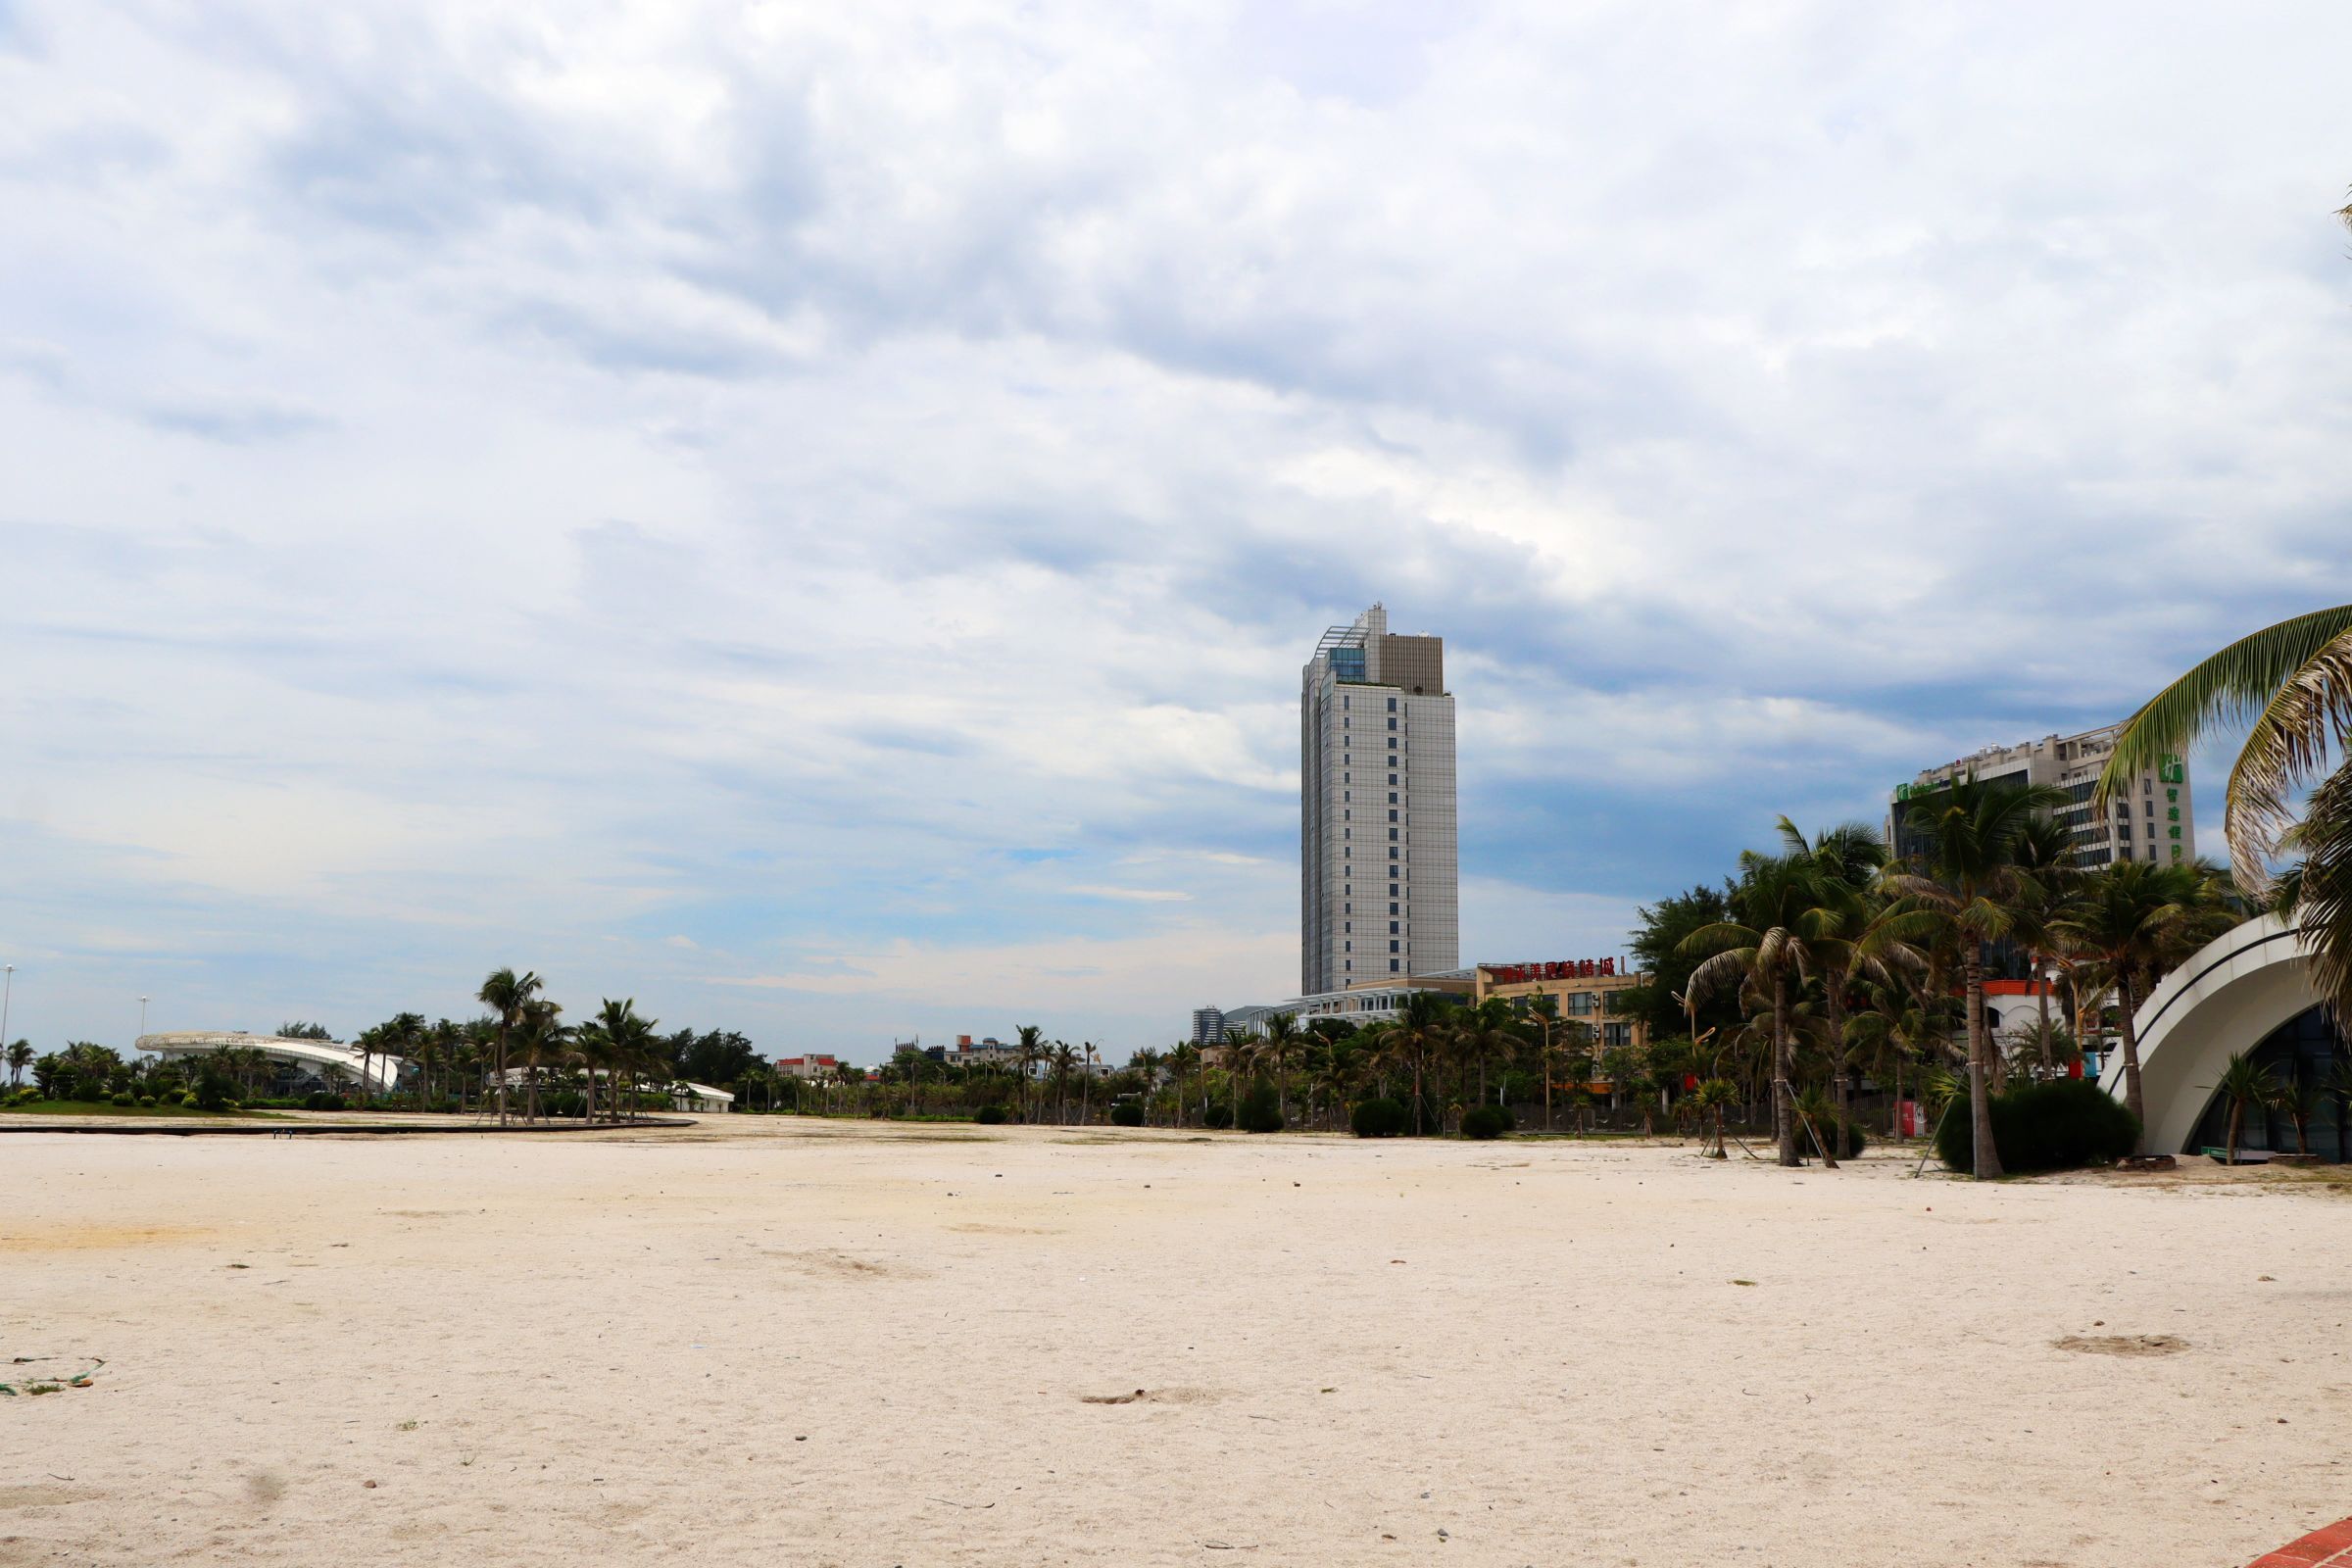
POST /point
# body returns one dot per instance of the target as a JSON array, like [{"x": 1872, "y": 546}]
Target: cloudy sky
[{"x": 809, "y": 515}]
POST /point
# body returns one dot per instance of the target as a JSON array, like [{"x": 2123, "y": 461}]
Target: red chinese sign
[{"x": 1513, "y": 974}]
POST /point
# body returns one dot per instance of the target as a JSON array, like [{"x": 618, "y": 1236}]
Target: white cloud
[{"x": 868, "y": 475}]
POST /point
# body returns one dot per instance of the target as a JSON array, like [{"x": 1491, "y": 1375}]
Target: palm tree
[
  {"x": 2300, "y": 1098},
  {"x": 1060, "y": 1059},
  {"x": 1970, "y": 884},
  {"x": 1236, "y": 1055},
  {"x": 1411, "y": 1042},
  {"x": 2293, "y": 681},
  {"x": 2244, "y": 1084},
  {"x": 2045, "y": 852},
  {"x": 1543, "y": 1015},
  {"x": 1850, "y": 934},
  {"x": 539, "y": 1044},
  {"x": 1184, "y": 1059},
  {"x": 1768, "y": 951},
  {"x": 1487, "y": 1032},
  {"x": 19, "y": 1058},
  {"x": 1145, "y": 1063},
  {"x": 1281, "y": 1034},
  {"x": 1030, "y": 1049},
  {"x": 506, "y": 993},
  {"x": 2134, "y": 917}
]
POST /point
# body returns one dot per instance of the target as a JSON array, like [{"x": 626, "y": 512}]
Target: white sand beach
[{"x": 783, "y": 1341}]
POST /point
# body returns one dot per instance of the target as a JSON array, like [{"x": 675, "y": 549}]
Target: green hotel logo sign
[{"x": 2169, "y": 768}]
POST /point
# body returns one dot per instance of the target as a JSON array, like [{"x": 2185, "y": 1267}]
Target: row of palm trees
[
  {"x": 1833, "y": 940},
  {"x": 522, "y": 1041}
]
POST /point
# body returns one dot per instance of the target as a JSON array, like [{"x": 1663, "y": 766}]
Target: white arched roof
[
  {"x": 2237, "y": 987},
  {"x": 382, "y": 1072}
]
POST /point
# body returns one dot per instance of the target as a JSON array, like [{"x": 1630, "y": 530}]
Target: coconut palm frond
[
  {"x": 2231, "y": 688},
  {"x": 2323, "y": 906},
  {"x": 2305, "y": 719}
]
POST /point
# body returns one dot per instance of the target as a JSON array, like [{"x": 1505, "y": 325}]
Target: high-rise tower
[{"x": 1381, "y": 892}]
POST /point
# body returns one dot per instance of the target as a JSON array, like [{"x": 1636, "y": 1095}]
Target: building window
[
  {"x": 1392, "y": 795},
  {"x": 1392, "y": 853},
  {"x": 1392, "y": 835},
  {"x": 1392, "y": 948},
  {"x": 1393, "y": 966},
  {"x": 1392, "y": 928},
  {"x": 1392, "y": 781},
  {"x": 1392, "y": 813},
  {"x": 1392, "y": 723},
  {"x": 1392, "y": 705},
  {"x": 1391, "y": 890},
  {"x": 1392, "y": 907}
]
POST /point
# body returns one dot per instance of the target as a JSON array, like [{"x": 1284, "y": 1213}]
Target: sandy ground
[{"x": 764, "y": 1341}]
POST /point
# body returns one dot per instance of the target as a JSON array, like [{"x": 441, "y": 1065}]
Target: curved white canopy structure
[
  {"x": 325, "y": 1057},
  {"x": 2230, "y": 997}
]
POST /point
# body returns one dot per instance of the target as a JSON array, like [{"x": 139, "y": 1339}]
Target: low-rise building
[
  {"x": 1581, "y": 989},
  {"x": 985, "y": 1052},
  {"x": 1356, "y": 1004},
  {"x": 810, "y": 1066}
]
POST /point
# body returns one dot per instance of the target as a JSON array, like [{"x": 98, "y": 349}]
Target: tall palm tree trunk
[
  {"x": 2133, "y": 1102},
  {"x": 1979, "y": 1051},
  {"x": 1784, "y": 1067},
  {"x": 2041, "y": 993},
  {"x": 1834, "y": 990}
]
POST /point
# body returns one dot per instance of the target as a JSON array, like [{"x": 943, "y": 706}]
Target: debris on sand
[{"x": 2122, "y": 1344}]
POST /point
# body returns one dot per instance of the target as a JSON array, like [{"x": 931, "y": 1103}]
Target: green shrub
[
  {"x": 2059, "y": 1125},
  {"x": 1377, "y": 1119},
  {"x": 187, "y": 1098},
  {"x": 989, "y": 1115},
  {"x": 1218, "y": 1115},
  {"x": 1260, "y": 1112},
  {"x": 146, "y": 1099},
  {"x": 322, "y": 1099},
  {"x": 1127, "y": 1113},
  {"x": 123, "y": 1097},
  {"x": 212, "y": 1092},
  {"x": 1487, "y": 1121}
]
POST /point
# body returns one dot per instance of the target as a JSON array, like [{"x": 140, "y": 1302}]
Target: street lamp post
[
  {"x": 8, "y": 984},
  {"x": 142, "y": 1017}
]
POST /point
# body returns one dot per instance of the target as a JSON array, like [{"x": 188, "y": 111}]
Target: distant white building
[
  {"x": 701, "y": 1098},
  {"x": 330, "y": 1060}
]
